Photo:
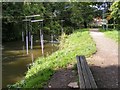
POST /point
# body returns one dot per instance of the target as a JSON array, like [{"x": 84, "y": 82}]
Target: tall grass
[
  {"x": 78, "y": 43},
  {"x": 113, "y": 34}
]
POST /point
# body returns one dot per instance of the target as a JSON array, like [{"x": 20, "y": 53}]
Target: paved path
[{"x": 105, "y": 61}]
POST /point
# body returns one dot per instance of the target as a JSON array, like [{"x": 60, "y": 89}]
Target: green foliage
[
  {"x": 78, "y": 43},
  {"x": 74, "y": 14},
  {"x": 115, "y": 7},
  {"x": 11, "y": 11},
  {"x": 115, "y": 12},
  {"x": 113, "y": 34},
  {"x": 11, "y": 17},
  {"x": 68, "y": 29},
  {"x": 33, "y": 8}
]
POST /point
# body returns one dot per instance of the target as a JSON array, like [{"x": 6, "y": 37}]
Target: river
[{"x": 15, "y": 60}]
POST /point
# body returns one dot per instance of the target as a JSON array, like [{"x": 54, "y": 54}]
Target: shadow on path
[{"x": 105, "y": 77}]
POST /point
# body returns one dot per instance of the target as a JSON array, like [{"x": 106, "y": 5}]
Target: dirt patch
[{"x": 62, "y": 78}]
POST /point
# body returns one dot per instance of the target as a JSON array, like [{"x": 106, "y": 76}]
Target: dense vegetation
[
  {"x": 115, "y": 12},
  {"x": 55, "y": 14},
  {"x": 78, "y": 43},
  {"x": 74, "y": 14}
]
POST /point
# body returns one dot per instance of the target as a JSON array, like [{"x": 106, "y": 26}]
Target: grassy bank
[
  {"x": 111, "y": 33},
  {"x": 78, "y": 43}
]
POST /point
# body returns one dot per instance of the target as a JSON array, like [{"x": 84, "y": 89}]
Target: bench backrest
[{"x": 86, "y": 79}]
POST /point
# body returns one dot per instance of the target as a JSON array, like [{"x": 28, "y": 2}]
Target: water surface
[{"x": 15, "y": 59}]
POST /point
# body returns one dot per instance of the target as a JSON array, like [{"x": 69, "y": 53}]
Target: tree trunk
[{"x": 85, "y": 24}]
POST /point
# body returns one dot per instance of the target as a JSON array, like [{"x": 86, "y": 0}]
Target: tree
[
  {"x": 115, "y": 12},
  {"x": 11, "y": 16},
  {"x": 74, "y": 14}
]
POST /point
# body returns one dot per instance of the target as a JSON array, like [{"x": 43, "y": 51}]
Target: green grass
[
  {"x": 113, "y": 34},
  {"x": 78, "y": 43}
]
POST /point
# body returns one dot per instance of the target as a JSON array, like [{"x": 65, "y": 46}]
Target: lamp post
[
  {"x": 103, "y": 15},
  {"x": 104, "y": 6}
]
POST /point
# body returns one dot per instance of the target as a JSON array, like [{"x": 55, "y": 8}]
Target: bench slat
[
  {"x": 81, "y": 81},
  {"x": 86, "y": 78},
  {"x": 91, "y": 79}
]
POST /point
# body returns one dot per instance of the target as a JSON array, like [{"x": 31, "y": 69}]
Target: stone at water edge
[{"x": 73, "y": 85}]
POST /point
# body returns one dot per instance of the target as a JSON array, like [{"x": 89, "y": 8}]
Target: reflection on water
[{"x": 15, "y": 60}]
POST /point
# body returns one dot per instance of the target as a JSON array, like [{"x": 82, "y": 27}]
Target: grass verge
[
  {"x": 112, "y": 33},
  {"x": 78, "y": 43}
]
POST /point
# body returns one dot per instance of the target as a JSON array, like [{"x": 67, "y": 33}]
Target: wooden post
[
  {"x": 27, "y": 44},
  {"x": 31, "y": 41}
]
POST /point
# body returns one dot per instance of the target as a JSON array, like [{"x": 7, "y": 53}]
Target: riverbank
[{"x": 78, "y": 43}]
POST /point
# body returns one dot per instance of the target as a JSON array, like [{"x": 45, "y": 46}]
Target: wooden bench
[{"x": 86, "y": 79}]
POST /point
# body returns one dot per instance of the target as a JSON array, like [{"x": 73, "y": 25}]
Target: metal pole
[
  {"x": 26, "y": 36},
  {"x": 27, "y": 44},
  {"x": 42, "y": 44},
  {"x": 41, "y": 41},
  {"x": 26, "y": 26}
]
